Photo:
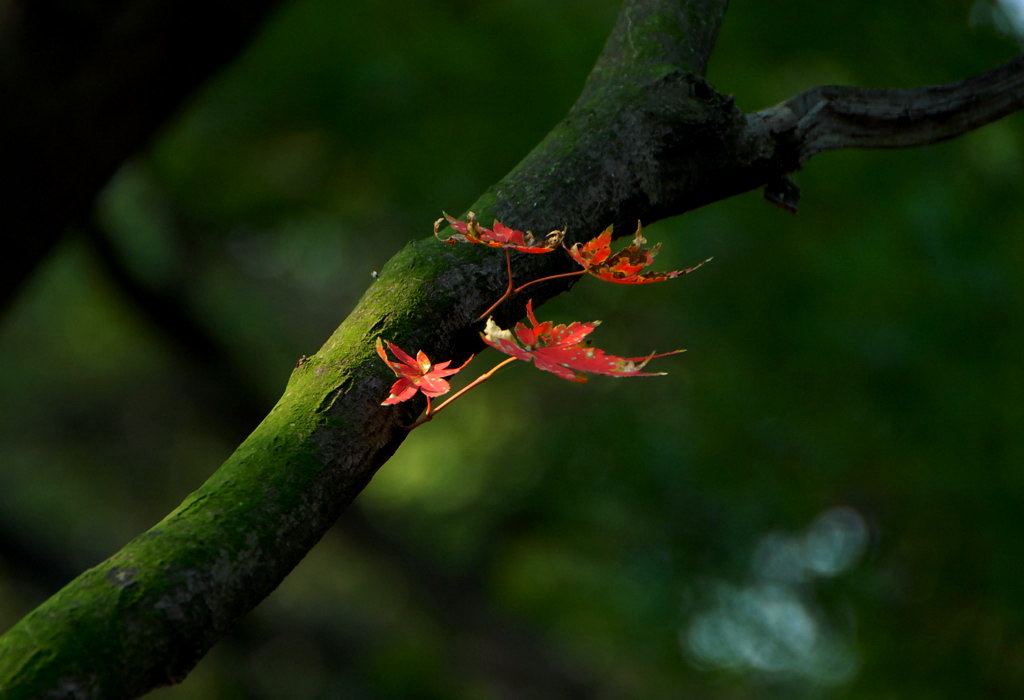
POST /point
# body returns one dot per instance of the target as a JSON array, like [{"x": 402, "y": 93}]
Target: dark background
[{"x": 824, "y": 498}]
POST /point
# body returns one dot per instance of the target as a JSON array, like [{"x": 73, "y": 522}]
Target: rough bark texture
[
  {"x": 832, "y": 116},
  {"x": 82, "y": 87},
  {"x": 648, "y": 138}
]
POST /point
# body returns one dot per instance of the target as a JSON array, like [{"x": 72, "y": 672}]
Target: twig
[{"x": 428, "y": 415}]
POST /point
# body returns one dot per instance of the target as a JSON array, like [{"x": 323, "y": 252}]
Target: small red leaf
[
  {"x": 626, "y": 266},
  {"x": 501, "y": 236},
  {"x": 415, "y": 375}
]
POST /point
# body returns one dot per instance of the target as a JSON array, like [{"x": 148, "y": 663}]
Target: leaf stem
[
  {"x": 508, "y": 290},
  {"x": 576, "y": 273},
  {"x": 429, "y": 414}
]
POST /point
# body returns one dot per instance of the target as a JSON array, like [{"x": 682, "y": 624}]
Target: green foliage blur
[{"x": 823, "y": 499}]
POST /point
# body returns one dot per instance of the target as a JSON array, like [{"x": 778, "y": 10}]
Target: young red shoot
[
  {"x": 416, "y": 375},
  {"x": 420, "y": 375},
  {"x": 560, "y": 349}
]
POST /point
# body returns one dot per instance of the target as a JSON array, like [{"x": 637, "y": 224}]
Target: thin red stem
[
  {"x": 521, "y": 287},
  {"x": 508, "y": 290},
  {"x": 429, "y": 414}
]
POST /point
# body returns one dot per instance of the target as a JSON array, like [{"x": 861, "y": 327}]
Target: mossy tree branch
[{"x": 648, "y": 138}]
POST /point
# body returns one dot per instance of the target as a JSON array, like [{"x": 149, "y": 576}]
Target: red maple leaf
[
  {"x": 415, "y": 375},
  {"x": 501, "y": 236},
  {"x": 626, "y": 266},
  {"x": 560, "y": 349}
]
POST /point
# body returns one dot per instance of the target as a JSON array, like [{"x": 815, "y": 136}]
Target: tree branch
[{"x": 830, "y": 117}]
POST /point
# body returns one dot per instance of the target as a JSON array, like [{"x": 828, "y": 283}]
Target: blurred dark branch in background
[
  {"x": 82, "y": 87},
  {"x": 219, "y": 385},
  {"x": 31, "y": 563}
]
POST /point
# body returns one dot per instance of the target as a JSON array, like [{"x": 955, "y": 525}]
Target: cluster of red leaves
[
  {"x": 560, "y": 349},
  {"x": 626, "y": 266},
  {"x": 415, "y": 375},
  {"x": 595, "y": 256},
  {"x": 500, "y": 236},
  {"x": 557, "y": 348}
]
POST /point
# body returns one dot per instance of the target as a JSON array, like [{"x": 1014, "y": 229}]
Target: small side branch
[{"x": 831, "y": 117}]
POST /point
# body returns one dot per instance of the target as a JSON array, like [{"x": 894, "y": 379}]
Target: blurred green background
[{"x": 824, "y": 498}]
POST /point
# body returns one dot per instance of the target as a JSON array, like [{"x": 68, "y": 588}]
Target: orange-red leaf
[
  {"x": 560, "y": 349},
  {"x": 415, "y": 374},
  {"x": 626, "y": 266},
  {"x": 500, "y": 236}
]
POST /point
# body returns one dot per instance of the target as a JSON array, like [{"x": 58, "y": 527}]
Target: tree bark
[{"x": 648, "y": 138}]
